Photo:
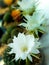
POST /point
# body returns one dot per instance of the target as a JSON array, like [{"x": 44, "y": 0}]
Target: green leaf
[{"x": 6, "y": 16}]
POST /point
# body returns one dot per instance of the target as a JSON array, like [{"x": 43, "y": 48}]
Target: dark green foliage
[
  {"x": 1, "y": 31},
  {"x": 9, "y": 40},
  {"x": 16, "y": 30},
  {"x": 10, "y": 33},
  {"x": 1, "y": 16},
  {"x": 23, "y": 62},
  {"x": 5, "y": 37},
  {"x": 9, "y": 59},
  {"x": 14, "y": 33},
  {"x": 8, "y": 18},
  {"x": 38, "y": 34},
  {"x": 10, "y": 28}
]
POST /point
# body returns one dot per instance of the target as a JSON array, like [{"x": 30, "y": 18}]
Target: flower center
[{"x": 24, "y": 48}]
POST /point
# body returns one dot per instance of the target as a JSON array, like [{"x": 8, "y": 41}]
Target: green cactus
[
  {"x": 5, "y": 37},
  {"x": 14, "y": 32},
  {"x": 10, "y": 28},
  {"x": 9, "y": 40}
]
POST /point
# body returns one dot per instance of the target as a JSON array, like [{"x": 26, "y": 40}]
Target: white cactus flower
[
  {"x": 23, "y": 46},
  {"x": 35, "y": 22},
  {"x": 27, "y": 6}
]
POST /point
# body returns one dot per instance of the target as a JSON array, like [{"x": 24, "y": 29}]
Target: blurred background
[{"x": 44, "y": 6}]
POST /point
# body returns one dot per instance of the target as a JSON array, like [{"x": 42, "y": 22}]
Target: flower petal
[
  {"x": 23, "y": 56},
  {"x": 23, "y": 45},
  {"x": 35, "y": 51},
  {"x": 17, "y": 57},
  {"x": 37, "y": 44},
  {"x": 10, "y": 45},
  {"x": 30, "y": 58},
  {"x": 30, "y": 5}
]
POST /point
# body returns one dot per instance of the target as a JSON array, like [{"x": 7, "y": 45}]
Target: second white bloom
[{"x": 23, "y": 46}]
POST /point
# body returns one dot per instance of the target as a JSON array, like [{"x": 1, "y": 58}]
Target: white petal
[
  {"x": 23, "y": 56},
  {"x": 21, "y": 38},
  {"x": 23, "y": 24},
  {"x": 30, "y": 58},
  {"x": 37, "y": 44},
  {"x": 30, "y": 41},
  {"x": 24, "y": 3},
  {"x": 23, "y": 41},
  {"x": 30, "y": 38},
  {"x": 17, "y": 57},
  {"x": 11, "y": 44},
  {"x": 14, "y": 39},
  {"x": 35, "y": 51},
  {"x": 30, "y": 5}
]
